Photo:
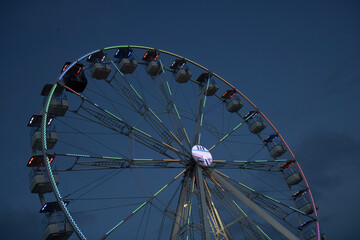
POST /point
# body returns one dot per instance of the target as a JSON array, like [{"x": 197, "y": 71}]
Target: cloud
[
  {"x": 20, "y": 224},
  {"x": 345, "y": 76},
  {"x": 331, "y": 163}
]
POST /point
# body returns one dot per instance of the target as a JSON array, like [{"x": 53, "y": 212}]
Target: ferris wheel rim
[{"x": 58, "y": 82}]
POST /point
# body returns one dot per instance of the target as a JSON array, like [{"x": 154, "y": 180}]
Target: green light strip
[
  {"x": 263, "y": 232},
  {"x": 189, "y": 213},
  {"x": 162, "y": 66},
  {"x": 239, "y": 208},
  {"x": 177, "y": 111},
  {"x": 117, "y": 225},
  {"x": 111, "y": 158},
  {"x": 246, "y": 187},
  {"x": 140, "y": 207},
  {"x": 204, "y": 101},
  {"x": 201, "y": 120},
  {"x": 272, "y": 199},
  {"x": 207, "y": 87},
  {"x": 235, "y": 128},
  {"x": 155, "y": 115},
  {"x": 280, "y": 160},
  {"x": 168, "y": 88},
  {"x": 135, "y": 91},
  {"x": 160, "y": 190},
  {"x": 141, "y": 131},
  {"x": 113, "y": 115},
  {"x": 297, "y": 210},
  {"x": 224, "y": 137},
  {"x": 77, "y": 155},
  {"x": 117, "y": 158}
]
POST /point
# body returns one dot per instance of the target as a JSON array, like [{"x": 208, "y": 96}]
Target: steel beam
[
  {"x": 179, "y": 217},
  {"x": 202, "y": 202},
  {"x": 261, "y": 212}
]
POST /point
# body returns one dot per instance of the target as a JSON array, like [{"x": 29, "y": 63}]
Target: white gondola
[
  {"x": 234, "y": 105},
  {"x": 75, "y": 78},
  {"x": 311, "y": 234},
  {"x": 307, "y": 208},
  {"x": 183, "y": 75},
  {"x": 153, "y": 68},
  {"x": 127, "y": 65},
  {"x": 292, "y": 176},
  {"x": 256, "y": 125},
  {"x": 277, "y": 150},
  {"x": 51, "y": 139},
  {"x": 293, "y": 179},
  {"x": 275, "y": 145},
  {"x": 58, "y": 104},
  {"x": 304, "y": 204},
  {"x": 100, "y": 71},
  {"x": 56, "y": 227},
  {"x": 47, "y": 88},
  {"x": 55, "y": 231},
  {"x": 57, "y": 107},
  {"x": 39, "y": 181},
  {"x": 211, "y": 88}
]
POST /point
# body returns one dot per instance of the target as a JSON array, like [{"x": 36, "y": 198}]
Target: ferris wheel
[{"x": 134, "y": 142}]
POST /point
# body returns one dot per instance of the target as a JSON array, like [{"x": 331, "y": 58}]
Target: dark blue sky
[{"x": 298, "y": 61}]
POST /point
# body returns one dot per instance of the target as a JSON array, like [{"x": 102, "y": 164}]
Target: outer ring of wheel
[{"x": 45, "y": 115}]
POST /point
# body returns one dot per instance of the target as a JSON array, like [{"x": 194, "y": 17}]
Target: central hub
[{"x": 201, "y": 155}]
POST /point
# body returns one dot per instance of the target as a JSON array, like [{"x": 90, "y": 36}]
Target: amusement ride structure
[{"x": 136, "y": 142}]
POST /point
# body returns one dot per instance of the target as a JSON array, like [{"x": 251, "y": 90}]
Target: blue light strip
[
  {"x": 72, "y": 64},
  {"x": 57, "y": 193}
]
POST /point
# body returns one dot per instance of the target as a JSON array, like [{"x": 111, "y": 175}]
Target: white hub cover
[{"x": 201, "y": 155}]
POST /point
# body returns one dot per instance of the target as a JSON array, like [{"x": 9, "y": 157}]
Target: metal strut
[{"x": 267, "y": 217}]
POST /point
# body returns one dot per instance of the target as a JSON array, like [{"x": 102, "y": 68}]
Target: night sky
[{"x": 298, "y": 61}]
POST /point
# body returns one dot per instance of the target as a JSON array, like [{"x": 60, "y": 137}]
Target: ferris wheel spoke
[
  {"x": 260, "y": 165},
  {"x": 212, "y": 129},
  {"x": 131, "y": 163},
  {"x": 141, "y": 206},
  {"x": 201, "y": 102},
  {"x": 236, "y": 212},
  {"x": 134, "y": 99},
  {"x": 87, "y": 135},
  {"x": 277, "y": 208},
  {"x": 252, "y": 205},
  {"x": 112, "y": 162},
  {"x": 232, "y": 131},
  {"x": 105, "y": 118},
  {"x": 205, "y": 233},
  {"x": 217, "y": 223},
  {"x": 116, "y": 124},
  {"x": 182, "y": 224},
  {"x": 163, "y": 89},
  {"x": 217, "y": 133}
]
